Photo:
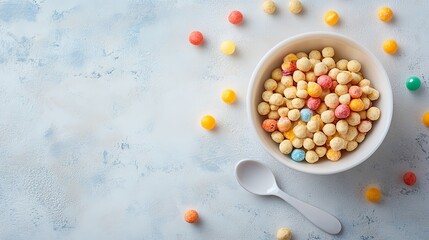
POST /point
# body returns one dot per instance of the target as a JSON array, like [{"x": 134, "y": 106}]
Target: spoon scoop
[{"x": 258, "y": 179}]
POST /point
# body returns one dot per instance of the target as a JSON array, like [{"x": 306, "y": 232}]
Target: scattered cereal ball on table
[
  {"x": 269, "y": 125},
  {"x": 331, "y": 18},
  {"x": 227, "y": 47},
  {"x": 311, "y": 156},
  {"x": 277, "y": 136},
  {"x": 208, "y": 122},
  {"x": 385, "y": 14},
  {"x": 196, "y": 38},
  {"x": 342, "y": 111},
  {"x": 284, "y": 234},
  {"x": 356, "y": 105},
  {"x": 269, "y": 7},
  {"x": 295, "y": 6},
  {"x": 235, "y": 17},
  {"x": 365, "y": 126},
  {"x": 425, "y": 119},
  {"x": 390, "y": 46},
  {"x": 263, "y": 108},
  {"x": 284, "y": 124},
  {"x": 228, "y": 96},
  {"x": 373, "y": 113},
  {"x": 355, "y": 92},
  {"x": 306, "y": 114},
  {"x": 298, "y": 155},
  {"x": 313, "y": 103},
  {"x": 191, "y": 216},
  {"x": 373, "y": 195},
  {"x": 409, "y": 178},
  {"x": 333, "y": 155},
  {"x": 413, "y": 83}
]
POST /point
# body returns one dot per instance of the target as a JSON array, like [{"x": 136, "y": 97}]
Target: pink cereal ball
[
  {"x": 355, "y": 92},
  {"x": 269, "y": 125},
  {"x": 313, "y": 103},
  {"x": 342, "y": 111},
  {"x": 324, "y": 81},
  {"x": 196, "y": 38},
  {"x": 235, "y": 17},
  {"x": 364, "y": 126},
  {"x": 334, "y": 85}
]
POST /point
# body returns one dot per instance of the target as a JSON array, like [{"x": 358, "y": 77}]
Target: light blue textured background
[{"x": 99, "y": 131}]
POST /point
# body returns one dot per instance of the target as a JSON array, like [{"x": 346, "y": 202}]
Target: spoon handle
[{"x": 317, "y": 216}]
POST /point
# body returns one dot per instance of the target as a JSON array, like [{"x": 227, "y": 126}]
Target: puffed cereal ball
[
  {"x": 235, "y": 17},
  {"x": 329, "y": 62},
  {"x": 351, "y": 134},
  {"x": 342, "y": 111},
  {"x": 300, "y": 131},
  {"x": 355, "y": 92},
  {"x": 328, "y": 52},
  {"x": 284, "y": 234},
  {"x": 280, "y": 88},
  {"x": 273, "y": 115},
  {"x": 270, "y": 84},
  {"x": 366, "y": 102},
  {"x": 312, "y": 125},
  {"x": 360, "y": 137},
  {"x": 314, "y": 62},
  {"x": 353, "y": 119},
  {"x": 331, "y": 17},
  {"x": 374, "y": 95},
  {"x": 342, "y": 64},
  {"x": 302, "y": 93},
  {"x": 365, "y": 126},
  {"x": 390, "y": 46},
  {"x": 320, "y": 69},
  {"x": 342, "y": 127},
  {"x": 344, "y": 77},
  {"x": 308, "y": 144},
  {"x": 324, "y": 81},
  {"x": 266, "y": 95},
  {"x": 295, "y": 6},
  {"x": 331, "y": 100},
  {"x": 333, "y": 73},
  {"x": 263, "y": 108},
  {"x": 277, "y": 137},
  {"x": 356, "y": 78},
  {"x": 311, "y": 156},
  {"x": 319, "y": 138},
  {"x": 289, "y": 103},
  {"x": 364, "y": 82},
  {"x": 351, "y": 146},
  {"x": 297, "y": 142},
  {"x": 298, "y": 76},
  {"x": 321, "y": 151},
  {"x": 341, "y": 89},
  {"x": 208, "y": 122},
  {"x": 284, "y": 124},
  {"x": 333, "y": 155},
  {"x": 277, "y": 74},
  {"x": 356, "y": 105},
  {"x": 314, "y": 89},
  {"x": 285, "y": 147},
  {"x": 337, "y": 143},
  {"x": 373, "y": 195},
  {"x": 328, "y": 116},
  {"x": 191, "y": 216},
  {"x": 229, "y": 96},
  {"x": 344, "y": 99},
  {"x": 322, "y": 107},
  {"x": 283, "y": 111},
  {"x": 301, "y": 55},
  {"x": 329, "y": 129},
  {"x": 314, "y": 54},
  {"x": 288, "y": 67},
  {"x": 287, "y": 81},
  {"x": 303, "y": 64},
  {"x": 373, "y": 113},
  {"x": 269, "y": 7},
  {"x": 276, "y": 99},
  {"x": 353, "y": 66},
  {"x": 294, "y": 114},
  {"x": 290, "y": 92},
  {"x": 269, "y": 125},
  {"x": 302, "y": 85},
  {"x": 196, "y": 38},
  {"x": 362, "y": 115},
  {"x": 274, "y": 107},
  {"x": 290, "y": 58},
  {"x": 227, "y": 47},
  {"x": 310, "y": 77},
  {"x": 385, "y": 14},
  {"x": 313, "y": 103},
  {"x": 298, "y": 103}
]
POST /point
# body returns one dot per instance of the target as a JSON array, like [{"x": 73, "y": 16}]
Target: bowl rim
[{"x": 251, "y": 110}]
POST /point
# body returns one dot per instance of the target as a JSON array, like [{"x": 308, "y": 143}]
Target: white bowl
[{"x": 344, "y": 48}]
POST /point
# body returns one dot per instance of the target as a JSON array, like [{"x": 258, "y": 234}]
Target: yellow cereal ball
[
  {"x": 295, "y": 6},
  {"x": 373, "y": 195},
  {"x": 290, "y": 58},
  {"x": 356, "y": 105},
  {"x": 314, "y": 89},
  {"x": 425, "y": 119},
  {"x": 333, "y": 155},
  {"x": 269, "y": 7},
  {"x": 290, "y": 135},
  {"x": 228, "y": 96},
  {"x": 390, "y": 46},
  {"x": 284, "y": 234},
  {"x": 385, "y": 14},
  {"x": 227, "y": 47},
  {"x": 208, "y": 122},
  {"x": 331, "y": 17}
]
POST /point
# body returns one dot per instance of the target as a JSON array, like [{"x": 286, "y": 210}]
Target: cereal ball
[
  {"x": 270, "y": 84},
  {"x": 308, "y": 144},
  {"x": 321, "y": 151},
  {"x": 285, "y": 147},
  {"x": 280, "y": 88},
  {"x": 302, "y": 93},
  {"x": 295, "y": 6},
  {"x": 328, "y": 116},
  {"x": 360, "y": 137},
  {"x": 390, "y": 46},
  {"x": 235, "y": 17},
  {"x": 196, "y": 38},
  {"x": 306, "y": 114},
  {"x": 344, "y": 99},
  {"x": 266, "y": 95},
  {"x": 322, "y": 107},
  {"x": 329, "y": 129},
  {"x": 337, "y": 143},
  {"x": 298, "y": 76},
  {"x": 373, "y": 195},
  {"x": 362, "y": 115},
  {"x": 284, "y": 234},
  {"x": 313, "y": 103},
  {"x": 290, "y": 92},
  {"x": 344, "y": 77},
  {"x": 298, "y": 155},
  {"x": 331, "y": 100},
  {"x": 288, "y": 67},
  {"x": 351, "y": 146},
  {"x": 374, "y": 95},
  {"x": 314, "y": 62},
  {"x": 298, "y": 103},
  {"x": 227, "y": 47},
  {"x": 333, "y": 73},
  {"x": 320, "y": 69},
  {"x": 333, "y": 155},
  {"x": 356, "y": 78},
  {"x": 314, "y": 54},
  {"x": 334, "y": 85},
  {"x": 356, "y": 105},
  {"x": 341, "y": 89},
  {"x": 290, "y": 58},
  {"x": 413, "y": 83},
  {"x": 353, "y": 119},
  {"x": 425, "y": 119},
  {"x": 294, "y": 114},
  {"x": 314, "y": 89},
  {"x": 289, "y": 135},
  {"x": 342, "y": 64},
  {"x": 331, "y": 17},
  {"x": 300, "y": 131},
  {"x": 355, "y": 92},
  {"x": 276, "y": 99},
  {"x": 208, "y": 122},
  {"x": 324, "y": 81},
  {"x": 385, "y": 14},
  {"x": 269, "y": 125},
  {"x": 342, "y": 127},
  {"x": 277, "y": 137},
  {"x": 364, "y": 82},
  {"x": 365, "y": 126},
  {"x": 274, "y": 107},
  {"x": 302, "y": 85},
  {"x": 284, "y": 124},
  {"x": 311, "y": 156},
  {"x": 228, "y": 96},
  {"x": 319, "y": 138},
  {"x": 263, "y": 108},
  {"x": 329, "y": 62},
  {"x": 303, "y": 64},
  {"x": 289, "y": 103},
  {"x": 277, "y": 74},
  {"x": 351, "y": 134},
  {"x": 366, "y": 102},
  {"x": 283, "y": 111},
  {"x": 353, "y": 66},
  {"x": 310, "y": 77},
  {"x": 287, "y": 81},
  {"x": 191, "y": 216},
  {"x": 312, "y": 125},
  {"x": 366, "y": 89},
  {"x": 269, "y": 7},
  {"x": 297, "y": 142},
  {"x": 342, "y": 111},
  {"x": 301, "y": 55},
  {"x": 409, "y": 178},
  {"x": 273, "y": 115},
  {"x": 328, "y": 52}
]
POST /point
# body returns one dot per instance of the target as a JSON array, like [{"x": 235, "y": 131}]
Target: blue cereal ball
[
  {"x": 298, "y": 155},
  {"x": 306, "y": 114}
]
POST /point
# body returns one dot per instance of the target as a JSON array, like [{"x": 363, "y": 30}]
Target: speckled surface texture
[{"x": 100, "y": 138}]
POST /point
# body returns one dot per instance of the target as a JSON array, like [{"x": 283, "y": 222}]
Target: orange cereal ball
[
  {"x": 228, "y": 96},
  {"x": 208, "y": 122},
  {"x": 356, "y": 105},
  {"x": 191, "y": 216},
  {"x": 390, "y": 46},
  {"x": 331, "y": 17},
  {"x": 373, "y": 195},
  {"x": 196, "y": 38},
  {"x": 314, "y": 89},
  {"x": 385, "y": 14},
  {"x": 425, "y": 119},
  {"x": 333, "y": 155}
]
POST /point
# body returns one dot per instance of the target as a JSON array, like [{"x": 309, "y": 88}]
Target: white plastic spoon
[{"x": 258, "y": 179}]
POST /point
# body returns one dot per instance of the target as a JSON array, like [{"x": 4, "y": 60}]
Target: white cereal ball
[
  {"x": 301, "y": 85},
  {"x": 308, "y": 143},
  {"x": 270, "y": 84},
  {"x": 367, "y": 89},
  {"x": 322, "y": 107},
  {"x": 301, "y": 55},
  {"x": 351, "y": 133},
  {"x": 277, "y": 137},
  {"x": 366, "y": 103},
  {"x": 333, "y": 73},
  {"x": 328, "y": 52},
  {"x": 314, "y": 62},
  {"x": 269, "y": 7},
  {"x": 303, "y": 64},
  {"x": 356, "y": 78},
  {"x": 300, "y": 131},
  {"x": 298, "y": 103},
  {"x": 315, "y": 55},
  {"x": 310, "y": 77},
  {"x": 297, "y": 142},
  {"x": 302, "y": 93},
  {"x": 353, "y": 66},
  {"x": 352, "y": 145},
  {"x": 342, "y": 126},
  {"x": 266, "y": 95},
  {"x": 374, "y": 95},
  {"x": 287, "y": 81},
  {"x": 284, "y": 234},
  {"x": 329, "y": 62},
  {"x": 364, "y": 82},
  {"x": 365, "y": 126},
  {"x": 331, "y": 100},
  {"x": 360, "y": 137},
  {"x": 290, "y": 92},
  {"x": 293, "y": 114},
  {"x": 285, "y": 147},
  {"x": 276, "y": 99},
  {"x": 312, "y": 125},
  {"x": 263, "y": 108},
  {"x": 311, "y": 156},
  {"x": 329, "y": 129},
  {"x": 341, "y": 89},
  {"x": 321, "y": 151},
  {"x": 280, "y": 88},
  {"x": 289, "y": 103},
  {"x": 373, "y": 113},
  {"x": 353, "y": 119},
  {"x": 298, "y": 76},
  {"x": 277, "y": 74},
  {"x": 324, "y": 93},
  {"x": 344, "y": 99},
  {"x": 337, "y": 143},
  {"x": 319, "y": 138},
  {"x": 295, "y": 6},
  {"x": 283, "y": 111},
  {"x": 274, "y": 107},
  {"x": 362, "y": 115},
  {"x": 342, "y": 64},
  {"x": 328, "y": 116},
  {"x": 344, "y": 77},
  {"x": 273, "y": 115},
  {"x": 320, "y": 69}
]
